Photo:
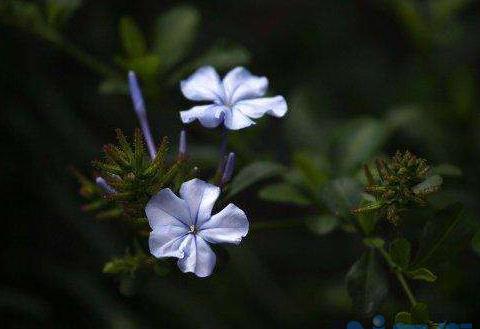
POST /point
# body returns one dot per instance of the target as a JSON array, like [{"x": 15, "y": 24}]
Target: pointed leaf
[
  {"x": 283, "y": 193},
  {"x": 252, "y": 174},
  {"x": 400, "y": 251},
  {"x": 175, "y": 33},
  {"x": 132, "y": 38},
  {"x": 422, "y": 274}
]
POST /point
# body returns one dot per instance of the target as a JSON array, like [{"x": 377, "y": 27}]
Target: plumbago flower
[
  {"x": 183, "y": 227},
  {"x": 236, "y": 100}
]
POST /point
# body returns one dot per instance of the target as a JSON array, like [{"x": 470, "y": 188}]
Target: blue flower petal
[
  {"x": 228, "y": 226},
  {"x": 166, "y": 209},
  {"x": 200, "y": 197},
  {"x": 203, "y": 85},
  {"x": 240, "y": 84}
]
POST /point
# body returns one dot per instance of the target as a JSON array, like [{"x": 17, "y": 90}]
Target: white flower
[
  {"x": 183, "y": 227},
  {"x": 237, "y": 99}
]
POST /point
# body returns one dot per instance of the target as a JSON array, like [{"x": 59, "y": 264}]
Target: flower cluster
[
  {"x": 141, "y": 186},
  {"x": 403, "y": 181}
]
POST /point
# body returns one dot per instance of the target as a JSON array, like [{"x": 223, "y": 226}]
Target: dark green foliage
[{"x": 367, "y": 283}]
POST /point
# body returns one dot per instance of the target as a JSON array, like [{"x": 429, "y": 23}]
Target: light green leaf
[
  {"x": 252, "y": 174},
  {"x": 144, "y": 66},
  {"x": 367, "y": 283},
  {"x": 374, "y": 242},
  {"x": 133, "y": 41},
  {"x": 403, "y": 317},
  {"x": 363, "y": 139},
  {"x": 322, "y": 224},
  {"x": 422, "y": 274},
  {"x": 420, "y": 313},
  {"x": 447, "y": 170},
  {"x": 283, "y": 193},
  {"x": 175, "y": 34},
  {"x": 400, "y": 251}
]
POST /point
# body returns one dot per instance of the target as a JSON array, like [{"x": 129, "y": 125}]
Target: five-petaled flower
[
  {"x": 237, "y": 99},
  {"x": 183, "y": 227}
]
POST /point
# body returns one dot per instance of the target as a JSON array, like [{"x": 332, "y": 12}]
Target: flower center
[{"x": 192, "y": 229}]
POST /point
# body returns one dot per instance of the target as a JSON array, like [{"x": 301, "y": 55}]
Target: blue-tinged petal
[
  {"x": 210, "y": 116},
  {"x": 256, "y": 108},
  {"x": 240, "y": 84},
  {"x": 165, "y": 241},
  {"x": 166, "y": 209},
  {"x": 235, "y": 120},
  {"x": 198, "y": 257},
  {"x": 228, "y": 226},
  {"x": 203, "y": 85},
  {"x": 200, "y": 197}
]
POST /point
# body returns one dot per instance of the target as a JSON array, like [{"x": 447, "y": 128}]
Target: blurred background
[{"x": 362, "y": 79}]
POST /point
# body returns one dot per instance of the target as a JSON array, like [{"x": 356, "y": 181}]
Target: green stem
[{"x": 400, "y": 277}]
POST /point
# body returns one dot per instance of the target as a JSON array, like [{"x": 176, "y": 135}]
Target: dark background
[{"x": 334, "y": 61}]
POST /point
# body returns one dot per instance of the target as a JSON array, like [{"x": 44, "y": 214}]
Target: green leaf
[
  {"x": 145, "y": 66},
  {"x": 422, "y": 274},
  {"x": 403, "y": 317},
  {"x": 341, "y": 196},
  {"x": 366, "y": 213},
  {"x": 132, "y": 38},
  {"x": 314, "y": 170},
  {"x": 476, "y": 242},
  {"x": 175, "y": 34},
  {"x": 252, "y": 174},
  {"x": 367, "y": 283},
  {"x": 283, "y": 193},
  {"x": 322, "y": 224},
  {"x": 221, "y": 57},
  {"x": 442, "y": 235},
  {"x": 420, "y": 313},
  {"x": 429, "y": 185},
  {"x": 363, "y": 139},
  {"x": 374, "y": 242},
  {"x": 400, "y": 251}
]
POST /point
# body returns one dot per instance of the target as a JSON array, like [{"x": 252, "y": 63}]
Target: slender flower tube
[
  {"x": 139, "y": 106},
  {"x": 235, "y": 100},
  {"x": 182, "y": 144},
  {"x": 183, "y": 227},
  {"x": 102, "y": 183},
  {"x": 228, "y": 171}
]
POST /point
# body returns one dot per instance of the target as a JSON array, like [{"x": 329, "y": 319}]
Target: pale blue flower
[
  {"x": 235, "y": 100},
  {"x": 183, "y": 227}
]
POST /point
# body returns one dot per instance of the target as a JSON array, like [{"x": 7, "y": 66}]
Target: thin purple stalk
[
  {"x": 102, "y": 183},
  {"x": 139, "y": 106},
  {"x": 228, "y": 171}
]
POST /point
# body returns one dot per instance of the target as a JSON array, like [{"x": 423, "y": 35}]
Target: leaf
[
  {"x": 132, "y": 38},
  {"x": 403, "y": 317},
  {"x": 283, "y": 193},
  {"x": 175, "y": 34},
  {"x": 447, "y": 170},
  {"x": 367, "y": 283},
  {"x": 362, "y": 141},
  {"x": 341, "y": 196},
  {"x": 400, "y": 251},
  {"x": 420, "y": 313},
  {"x": 476, "y": 242},
  {"x": 366, "y": 213},
  {"x": 252, "y": 174},
  {"x": 221, "y": 57},
  {"x": 313, "y": 169},
  {"x": 322, "y": 224},
  {"x": 442, "y": 235},
  {"x": 145, "y": 66},
  {"x": 422, "y": 274},
  {"x": 374, "y": 242},
  {"x": 429, "y": 185}
]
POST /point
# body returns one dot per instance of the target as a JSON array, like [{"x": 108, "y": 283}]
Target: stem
[{"x": 398, "y": 273}]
